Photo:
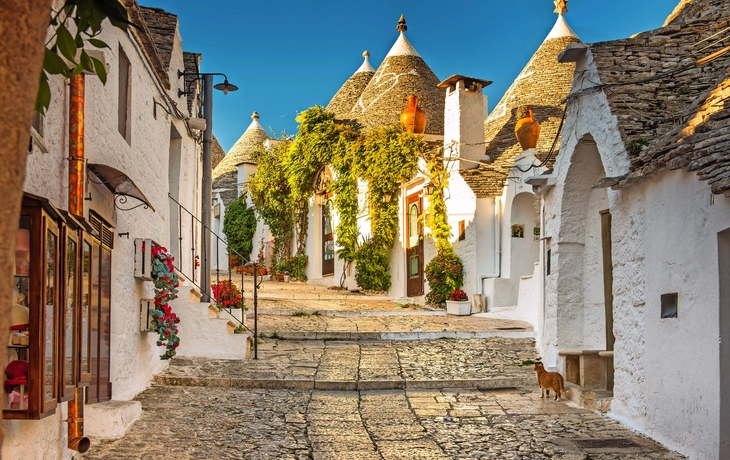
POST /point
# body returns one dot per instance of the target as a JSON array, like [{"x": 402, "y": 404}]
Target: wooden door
[
  {"x": 608, "y": 292},
  {"x": 328, "y": 242},
  {"x": 414, "y": 246}
]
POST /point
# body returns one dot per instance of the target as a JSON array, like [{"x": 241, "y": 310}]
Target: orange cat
[{"x": 549, "y": 381}]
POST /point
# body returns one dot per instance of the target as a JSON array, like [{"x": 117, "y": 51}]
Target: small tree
[{"x": 239, "y": 226}]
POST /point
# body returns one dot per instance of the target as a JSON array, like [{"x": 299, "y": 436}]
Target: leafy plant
[
  {"x": 62, "y": 46},
  {"x": 271, "y": 196},
  {"x": 436, "y": 217},
  {"x": 239, "y": 226},
  {"x": 371, "y": 271},
  {"x": 297, "y": 265},
  {"x": 444, "y": 274}
]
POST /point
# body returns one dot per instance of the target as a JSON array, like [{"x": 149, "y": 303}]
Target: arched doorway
[{"x": 584, "y": 285}]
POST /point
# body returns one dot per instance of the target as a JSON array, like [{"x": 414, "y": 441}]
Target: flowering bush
[
  {"x": 458, "y": 295},
  {"x": 164, "y": 321},
  {"x": 227, "y": 294},
  {"x": 444, "y": 274}
]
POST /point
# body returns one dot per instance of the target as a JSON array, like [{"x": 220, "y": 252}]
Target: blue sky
[{"x": 288, "y": 55}]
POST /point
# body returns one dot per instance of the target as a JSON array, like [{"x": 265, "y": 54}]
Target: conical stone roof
[
  {"x": 543, "y": 84},
  {"x": 347, "y": 96},
  {"x": 216, "y": 152},
  {"x": 251, "y": 140},
  {"x": 403, "y": 72}
]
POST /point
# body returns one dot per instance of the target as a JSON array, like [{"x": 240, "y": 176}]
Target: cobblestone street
[{"x": 354, "y": 395}]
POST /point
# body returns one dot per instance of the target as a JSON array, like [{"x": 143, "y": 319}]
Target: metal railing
[{"x": 199, "y": 237}]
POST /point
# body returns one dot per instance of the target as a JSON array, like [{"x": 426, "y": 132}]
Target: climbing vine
[
  {"x": 272, "y": 197},
  {"x": 436, "y": 217},
  {"x": 287, "y": 179},
  {"x": 390, "y": 157}
]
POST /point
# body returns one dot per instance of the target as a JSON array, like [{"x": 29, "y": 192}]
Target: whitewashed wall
[
  {"x": 664, "y": 239},
  {"x": 135, "y": 357}
]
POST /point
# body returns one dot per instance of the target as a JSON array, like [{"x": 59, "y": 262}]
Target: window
[
  {"x": 59, "y": 333},
  {"x": 462, "y": 230},
  {"x": 124, "y": 94}
]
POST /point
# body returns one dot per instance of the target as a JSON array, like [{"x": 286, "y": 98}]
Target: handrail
[{"x": 200, "y": 231}]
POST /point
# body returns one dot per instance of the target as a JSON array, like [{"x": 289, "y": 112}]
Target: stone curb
[
  {"x": 349, "y": 314},
  {"x": 348, "y": 385},
  {"x": 398, "y": 336}
]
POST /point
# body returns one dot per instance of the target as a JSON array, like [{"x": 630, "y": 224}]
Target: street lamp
[{"x": 207, "y": 192}]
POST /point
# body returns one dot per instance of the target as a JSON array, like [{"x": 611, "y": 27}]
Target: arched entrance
[{"x": 584, "y": 285}]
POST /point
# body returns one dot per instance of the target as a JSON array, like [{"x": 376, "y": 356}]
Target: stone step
[
  {"x": 203, "y": 333},
  {"x": 396, "y": 336},
  {"x": 592, "y": 399},
  {"x": 489, "y": 383}
]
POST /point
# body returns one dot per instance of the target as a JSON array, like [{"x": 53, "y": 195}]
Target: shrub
[
  {"x": 296, "y": 267},
  {"x": 239, "y": 225},
  {"x": 372, "y": 269},
  {"x": 444, "y": 274}
]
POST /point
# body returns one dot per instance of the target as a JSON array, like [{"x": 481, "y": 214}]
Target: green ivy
[
  {"x": 239, "y": 226},
  {"x": 390, "y": 157},
  {"x": 271, "y": 196},
  {"x": 436, "y": 216}
]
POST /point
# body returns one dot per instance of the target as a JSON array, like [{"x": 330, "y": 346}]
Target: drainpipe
[
  {"x": 496, "y": 271},
  {"x": 76, "y": 439},
  {"x": 76, "y": 146}
]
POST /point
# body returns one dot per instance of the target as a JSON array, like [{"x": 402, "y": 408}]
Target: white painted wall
[
  {"x": 664, "y": 239},
  {"x": 145, "y": 159}
]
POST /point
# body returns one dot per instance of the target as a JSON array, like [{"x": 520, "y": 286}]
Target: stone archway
[
  {"x": 581, "y": 309},
  {"x": 524, "y": 246}
]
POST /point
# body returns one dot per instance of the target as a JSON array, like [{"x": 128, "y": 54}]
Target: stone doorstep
[
  {"x": 598, "y": 400},
  {"x": 348, "y": 385},
  {"x": 110, "y": 419}
]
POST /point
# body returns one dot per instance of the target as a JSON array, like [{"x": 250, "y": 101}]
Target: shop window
[{"x": 53, "y": 329}]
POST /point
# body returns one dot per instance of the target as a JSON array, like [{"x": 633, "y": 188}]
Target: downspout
[
  {"x": 496, "y": 271},
  {"x": 76, "y": 439},
  {"x": 76, "y": 146}
]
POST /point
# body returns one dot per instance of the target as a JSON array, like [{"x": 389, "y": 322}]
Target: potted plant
[
  {"x": 228, "y": 297},
  {"x": 458, "y": 303},
  {"x": 286, "y": 276}
]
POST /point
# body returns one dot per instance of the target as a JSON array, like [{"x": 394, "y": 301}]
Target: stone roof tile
[
  {"x": 347, "y": 96},
  {"x": 162, "y": 27},
  {"x": 678, "y": 117},
  {"x": 543, "y": 84},
  {"x": 251, "y": 140},
  {"x": 402, "y": 73}
]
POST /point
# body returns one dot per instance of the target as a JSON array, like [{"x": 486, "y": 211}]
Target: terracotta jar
[
  {"x": 527, "y": 129},
  {"x": 413, "y": 117}
]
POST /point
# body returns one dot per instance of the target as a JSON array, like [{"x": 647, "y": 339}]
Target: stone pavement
[{"x": 347, "y": 394}]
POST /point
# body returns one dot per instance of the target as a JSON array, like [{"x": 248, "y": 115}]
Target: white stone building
[
  {"x": 134, "y": 148},
  {"x": 229, "y": 183},
  {"x": 636, "y": 233}
]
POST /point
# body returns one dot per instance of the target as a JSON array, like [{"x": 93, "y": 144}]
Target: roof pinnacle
[
  {"x": 561, "y": 6},
  {"x": 401, "y": 27},
  {"x": 255, "y": 116}
]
